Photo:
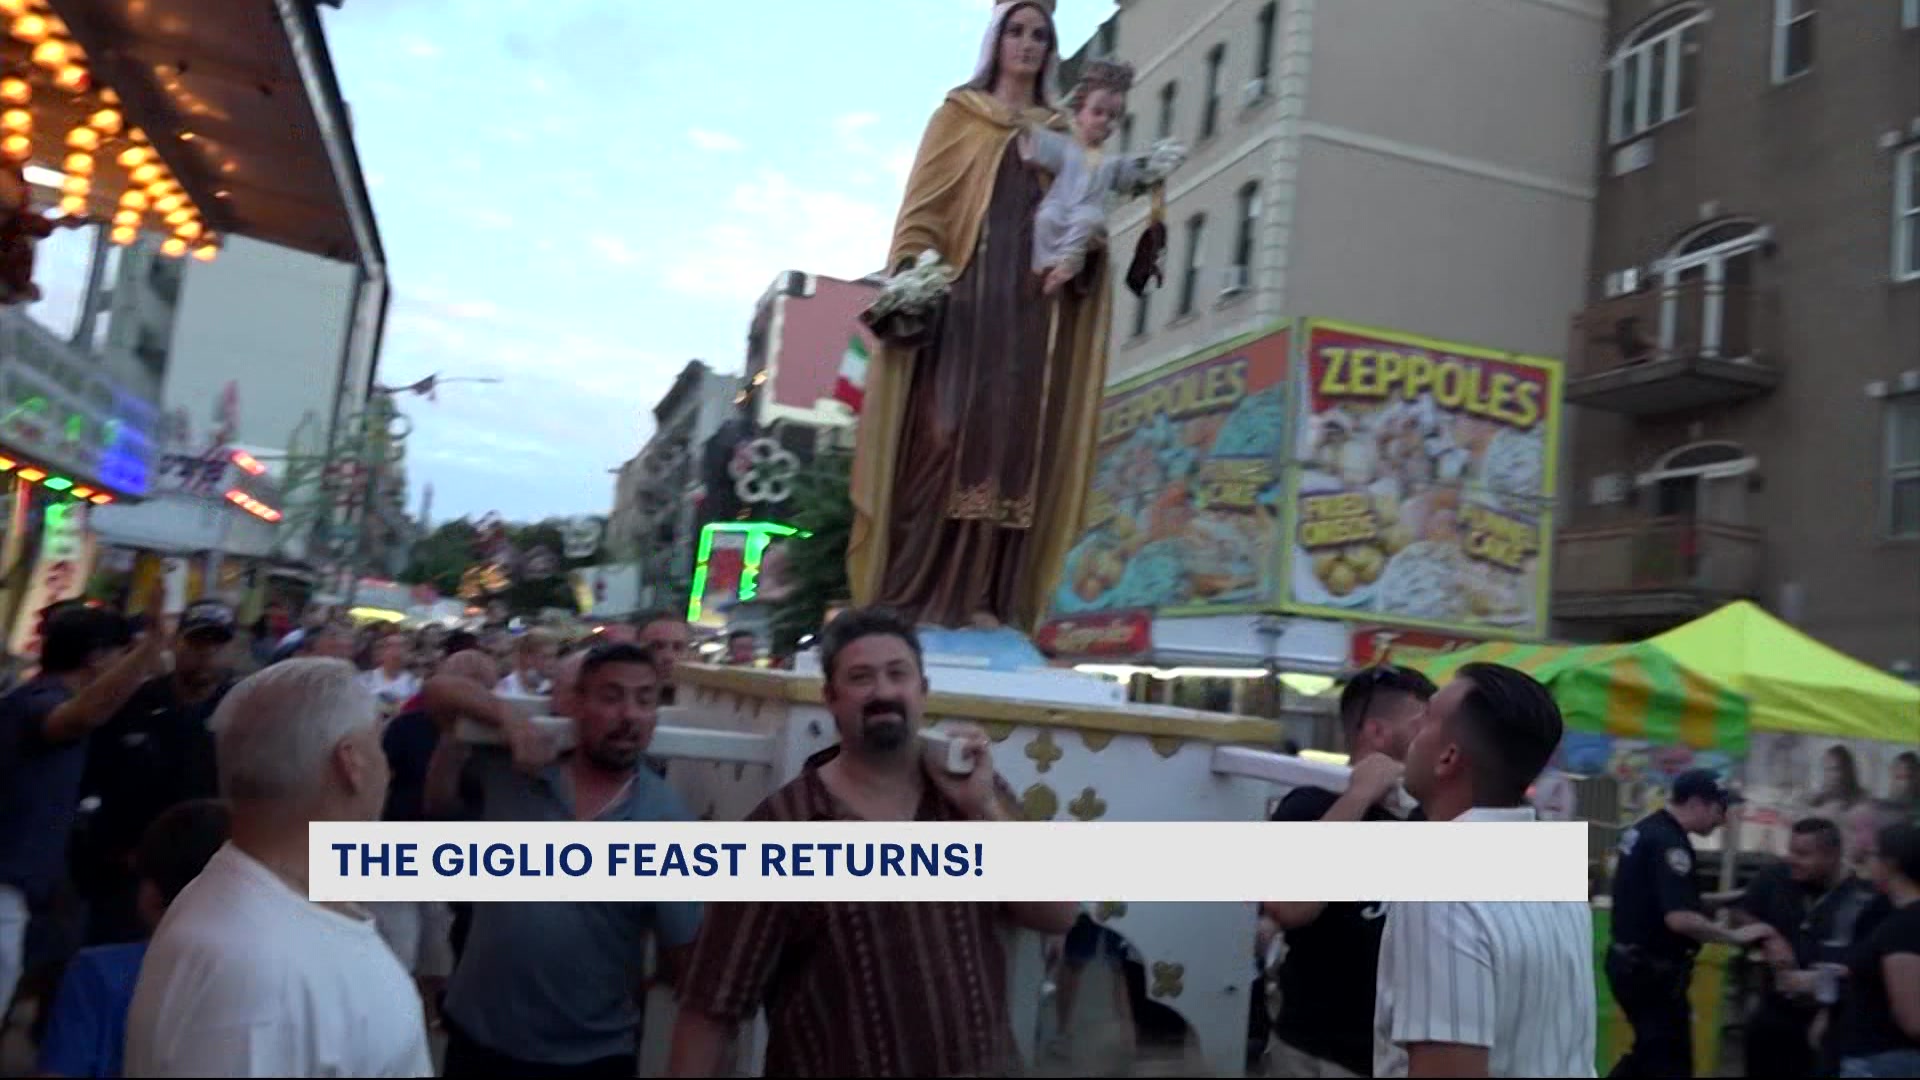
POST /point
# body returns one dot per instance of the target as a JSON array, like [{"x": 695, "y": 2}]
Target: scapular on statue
[{"x": 1150, "y": 252}]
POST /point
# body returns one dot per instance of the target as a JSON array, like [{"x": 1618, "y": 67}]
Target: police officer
[{"x": 1659, "y": 923}]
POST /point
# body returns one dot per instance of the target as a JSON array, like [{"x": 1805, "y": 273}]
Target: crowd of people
[
  {"x": 1836, "y": 945},
  {"x": 1833, "y": 933},
  {"x": 115, "y": 789},
  {"x": 173, "y": 803}
]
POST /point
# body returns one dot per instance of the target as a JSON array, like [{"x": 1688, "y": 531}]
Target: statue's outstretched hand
[
  {"x": 918, "y": 287},
  {"x": 1163, "y": 160}
]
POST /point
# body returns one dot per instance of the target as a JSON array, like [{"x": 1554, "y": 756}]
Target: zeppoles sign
[
  {"x": 1108, "y": 635},
  {"x": 1456, "y": 384},
  {"x": 1204, "y": 389}
]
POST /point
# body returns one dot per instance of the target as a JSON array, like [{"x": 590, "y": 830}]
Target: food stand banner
[
  {"x": 1424, "y": 488},
  {"x": 1104, "y": 635},
  {"x": 1189, "y": 479},
  {"x": 1856, "y": 783},
  {"x": 1370, "y": 645}
]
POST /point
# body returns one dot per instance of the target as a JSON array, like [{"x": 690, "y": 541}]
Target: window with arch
[
  {"x": 1710, "y": 292},
  {"x": 1702, "y": 481},
  {"x": 1715, "y": 457},
  {"x": 1654, "y": 75}
]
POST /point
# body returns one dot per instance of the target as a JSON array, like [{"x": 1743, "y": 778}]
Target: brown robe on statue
[{"x": 971, "y": 467}]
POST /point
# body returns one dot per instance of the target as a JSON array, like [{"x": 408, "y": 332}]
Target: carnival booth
[
  {"x": 164, "y": 127},
  {"x": 1812, "y": 730},
  {"x": 1831, "y": 736},
  {"x": 1270, "y": 511}
]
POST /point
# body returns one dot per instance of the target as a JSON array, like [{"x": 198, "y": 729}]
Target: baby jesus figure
[{"x": 1073, "y": 215}]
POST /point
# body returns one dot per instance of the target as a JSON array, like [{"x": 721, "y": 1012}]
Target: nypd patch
[{"x": 1680, "y": 861}]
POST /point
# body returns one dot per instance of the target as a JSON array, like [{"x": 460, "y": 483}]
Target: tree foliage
[
  {"x": 442, "y": 558},
  {"x": 823, "y": 507}
]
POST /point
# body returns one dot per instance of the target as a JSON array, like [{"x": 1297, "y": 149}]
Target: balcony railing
[
  {"x": 1675, "y": 346},
  {"x": 1687, "y": 321},
  {"x": 1655, "y": 563}
]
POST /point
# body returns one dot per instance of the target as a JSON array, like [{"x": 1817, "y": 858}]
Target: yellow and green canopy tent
[
  {"x": 1794, "y": 682},
  {"x": 1630, "y": 691}
]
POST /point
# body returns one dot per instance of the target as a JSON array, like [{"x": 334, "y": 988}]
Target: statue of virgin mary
[{"x": 977, "y": 432}]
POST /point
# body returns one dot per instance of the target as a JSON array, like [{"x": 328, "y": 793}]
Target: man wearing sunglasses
[{"x": 1327, "y": 980}]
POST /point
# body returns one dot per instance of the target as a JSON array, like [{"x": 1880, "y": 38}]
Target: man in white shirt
[
  {"x": 245, "y": 976},
  {"x": 1484, "y": 989},
  {"x": 391, "y": 682},
  {"x": 533, "y": 659}
]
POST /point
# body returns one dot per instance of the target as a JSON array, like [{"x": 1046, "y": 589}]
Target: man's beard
[
  {"x": 883, "y": 727},
  {"x": 612, "y": 758}
]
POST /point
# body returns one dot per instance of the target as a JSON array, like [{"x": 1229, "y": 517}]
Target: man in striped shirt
[
  {"x": 860, "y": 988},
  {"x": 1484, "y": 989}
]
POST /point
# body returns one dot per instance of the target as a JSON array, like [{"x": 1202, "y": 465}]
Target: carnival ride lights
[
  {"x": 248, "y": 463},
  {"x": 252, "y": 505},
  {"x": 33, "y": 474}
]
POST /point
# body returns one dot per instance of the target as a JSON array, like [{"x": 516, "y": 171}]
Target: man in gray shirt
[{"x": 554, "y": 989}]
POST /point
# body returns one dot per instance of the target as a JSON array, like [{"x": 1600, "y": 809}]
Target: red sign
[
  {"x": 1370, "y": 645},
  {"x": 1108, "y": 635}
]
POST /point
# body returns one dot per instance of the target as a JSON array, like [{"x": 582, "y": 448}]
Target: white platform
[
  {"x": 1071, "y": 749},
  {"x": 953, "y": 675}
]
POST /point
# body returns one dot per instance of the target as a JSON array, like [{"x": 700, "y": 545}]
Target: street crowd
[{"x": 153, "y": 901}]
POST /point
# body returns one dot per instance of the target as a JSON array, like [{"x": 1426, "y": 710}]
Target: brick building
[{"x": 1745, "y": 381}]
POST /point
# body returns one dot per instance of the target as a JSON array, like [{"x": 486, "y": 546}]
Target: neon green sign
[{"x": 759, "y": 536}]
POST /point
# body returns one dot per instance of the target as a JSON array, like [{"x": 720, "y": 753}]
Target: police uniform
[{"x": 1648, "y": 965}]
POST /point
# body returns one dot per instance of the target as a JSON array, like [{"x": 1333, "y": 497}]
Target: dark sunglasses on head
[{"x": 1367, "y": 684}]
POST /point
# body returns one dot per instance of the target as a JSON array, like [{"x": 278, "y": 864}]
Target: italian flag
[{"x": 851, "y": 386}]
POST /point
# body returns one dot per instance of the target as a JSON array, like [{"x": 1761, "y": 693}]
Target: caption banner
[{"x": 1140, "y": 862}]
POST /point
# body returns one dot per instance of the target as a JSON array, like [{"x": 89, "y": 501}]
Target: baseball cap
[
  {"x": 209, "y": 617},
  {"x": 1704, "y": 784}
]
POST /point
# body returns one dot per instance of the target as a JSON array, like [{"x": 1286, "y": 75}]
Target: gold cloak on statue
[{"x": 961, "y": 159}]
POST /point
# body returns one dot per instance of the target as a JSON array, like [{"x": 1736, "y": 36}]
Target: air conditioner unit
[
  {"x": 1255, "y": 91},
  {"x": 1235, "y": 279},
  {"x": 1623, "y": 282}
]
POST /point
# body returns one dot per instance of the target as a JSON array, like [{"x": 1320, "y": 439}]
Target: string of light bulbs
[{"x": 151, "y": 197}]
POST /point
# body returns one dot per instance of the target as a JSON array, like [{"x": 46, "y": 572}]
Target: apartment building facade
[
  {"x": 786, "y": 412},
  {"x": 656, "y": 500},
  {"x": 1425, "y": 167},
  {"x": 1745, "y": 373}
]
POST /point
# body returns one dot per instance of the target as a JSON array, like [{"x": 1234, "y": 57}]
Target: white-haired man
[{"x": 245, "y": 975}]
